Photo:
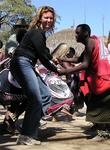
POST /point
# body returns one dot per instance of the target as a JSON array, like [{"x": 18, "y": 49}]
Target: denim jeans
[
  {"x": 34, "y": 88},
  {"x": 45, "y": 94}
]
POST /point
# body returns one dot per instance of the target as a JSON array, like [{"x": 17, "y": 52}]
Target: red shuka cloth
[{"x": 99, "y": 80}]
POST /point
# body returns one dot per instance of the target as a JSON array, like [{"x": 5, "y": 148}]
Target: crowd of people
[{"x": 28, "y": 46}]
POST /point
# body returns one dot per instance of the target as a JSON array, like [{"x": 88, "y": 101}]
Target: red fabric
[
  {"x": 84, "y": 85},
  {"x": 97, "y": 83},
  {"x": 56, "y": 106},
  {"x": 104, "y": 61}
]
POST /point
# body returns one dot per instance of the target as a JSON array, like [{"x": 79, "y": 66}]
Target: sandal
[{"x": 9, "y": 124}]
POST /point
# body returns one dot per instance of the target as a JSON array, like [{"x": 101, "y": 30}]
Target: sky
[{"x": 95, "y": 13}]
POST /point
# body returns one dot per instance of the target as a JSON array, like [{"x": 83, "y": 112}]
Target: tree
[
  {"x": 10, "y": 10},
  {"x": 17, "y": 8}
]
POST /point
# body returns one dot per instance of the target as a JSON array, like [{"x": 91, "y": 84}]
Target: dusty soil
[{"x": 65, "y": 135}]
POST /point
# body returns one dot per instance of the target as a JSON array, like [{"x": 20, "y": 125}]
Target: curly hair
[{"x": 36, "y": 20}]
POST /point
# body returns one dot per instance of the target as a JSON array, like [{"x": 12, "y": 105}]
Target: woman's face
[{"x": 47, "y": 20}]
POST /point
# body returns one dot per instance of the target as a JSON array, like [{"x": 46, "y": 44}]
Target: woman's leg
[
  {"x": 46, "y": 95},
  {"x": 23, "y": 72}
]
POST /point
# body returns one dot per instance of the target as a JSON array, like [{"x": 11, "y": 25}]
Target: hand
[
  {"x": 55, "y": 60},
  {"x": 65, "y": 59},
  {"x": 61, "y": 60},
  {"x": 62, "y": 71}
]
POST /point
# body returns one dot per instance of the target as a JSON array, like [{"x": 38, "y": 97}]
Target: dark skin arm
[
  {"x": 84, "y": 63},
  {"x": 70, "y": 60}
]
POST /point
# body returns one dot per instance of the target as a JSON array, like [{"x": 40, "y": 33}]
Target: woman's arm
[{"x": 39, "y": 41}]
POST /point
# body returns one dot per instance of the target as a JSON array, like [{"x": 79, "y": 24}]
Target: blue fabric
[
  {"x": 46, "y": 95},
  {"x": 34, "y": 88}
]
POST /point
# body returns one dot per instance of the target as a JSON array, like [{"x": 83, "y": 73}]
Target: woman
[{"x": 22, "y": 67}]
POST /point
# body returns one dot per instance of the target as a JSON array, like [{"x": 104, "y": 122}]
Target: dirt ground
[{"x": 65, "y": 135}]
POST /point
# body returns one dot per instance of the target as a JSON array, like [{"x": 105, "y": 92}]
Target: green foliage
[
  {"x": 4, "y": 36},
  {"x": 17, "y": 7},
  {"x": 12, "y": 9}
]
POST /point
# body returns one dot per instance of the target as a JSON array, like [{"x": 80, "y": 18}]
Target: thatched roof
[{"x": 64, "y": 36}]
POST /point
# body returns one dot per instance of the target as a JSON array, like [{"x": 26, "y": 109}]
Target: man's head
[
  {"x": 20, "y": 23},
  {"x": 71, "y": 52},
  {"x": 83, "y": 32}
]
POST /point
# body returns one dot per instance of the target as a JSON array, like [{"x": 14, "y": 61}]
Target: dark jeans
[{"x": 34, "y": 88}]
